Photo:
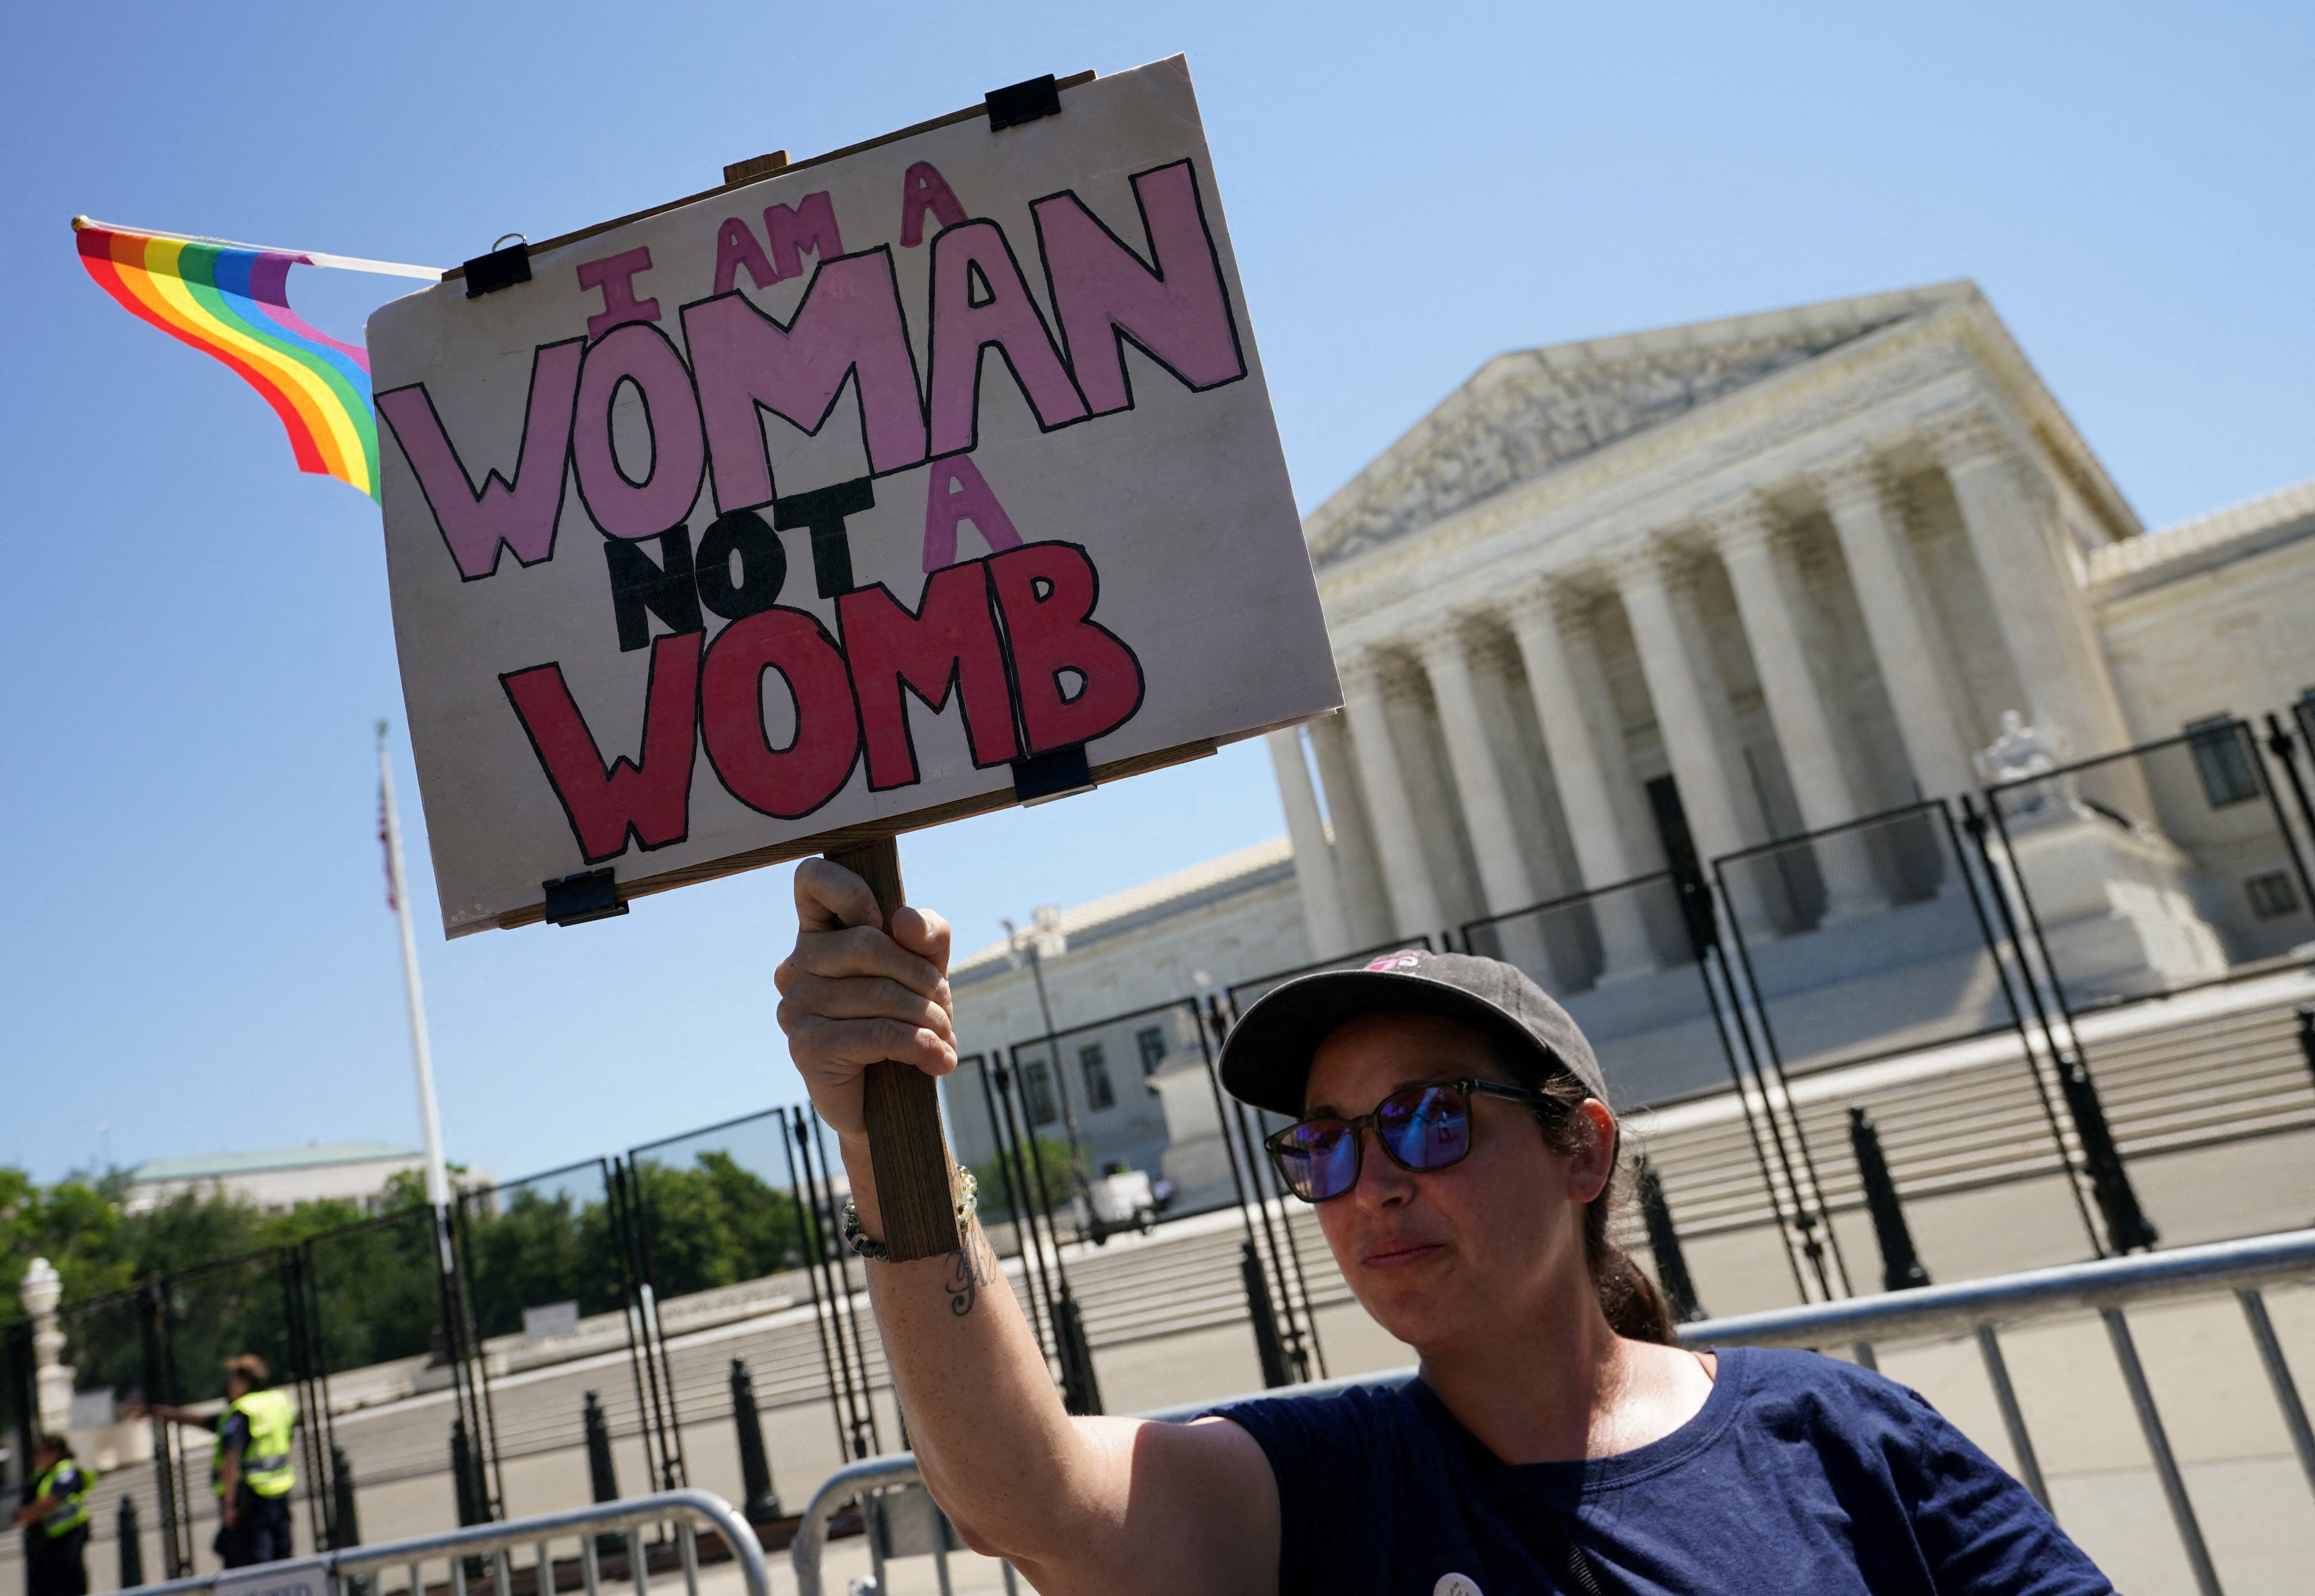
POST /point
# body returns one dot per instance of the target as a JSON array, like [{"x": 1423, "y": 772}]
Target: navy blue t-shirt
[{"x": 1800, "y": 1474}]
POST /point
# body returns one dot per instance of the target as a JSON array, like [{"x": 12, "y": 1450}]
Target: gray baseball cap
[{"x": 1267, "y": 1058}]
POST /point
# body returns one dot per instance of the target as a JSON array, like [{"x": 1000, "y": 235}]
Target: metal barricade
[
  {"x": 493, "y": 1547},
  {"x": 1974, "y": 1308}
]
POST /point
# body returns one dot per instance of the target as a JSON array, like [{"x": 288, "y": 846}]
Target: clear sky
[{"x": 194, "y": 945}]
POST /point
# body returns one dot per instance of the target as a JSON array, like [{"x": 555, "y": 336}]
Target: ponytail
[{"x": 1634, "y": 1305}]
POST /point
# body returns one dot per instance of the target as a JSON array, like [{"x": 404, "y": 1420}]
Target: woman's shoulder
[
  {"x": 1831, "y": 1404},
  {"x": 1340, "y": 1417},
  {"x": 1370, "y": 1432},
  {"x": 1768, "y": 1374}
]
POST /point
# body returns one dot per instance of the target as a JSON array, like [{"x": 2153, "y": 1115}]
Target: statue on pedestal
[
  {"x": 52, "y": 1377},
  {"x": 2023, "y": 751}
]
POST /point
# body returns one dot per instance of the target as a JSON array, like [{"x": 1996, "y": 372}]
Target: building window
[
  {"x": 1095, "y": 1065},
  {"x": 1037, "y": 1090},
  {"x": 2272, "y": 895},
  {"x": 1152, "y": 1043},
  {"x": 2223, "y": 760}
]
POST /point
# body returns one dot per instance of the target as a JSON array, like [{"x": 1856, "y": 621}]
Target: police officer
[
  {"x": 250, "y": 1469},
  {"x": 55, "y": 1517}
]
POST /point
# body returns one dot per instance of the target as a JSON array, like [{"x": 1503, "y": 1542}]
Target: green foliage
[
  {"x": 229, "y": 1277},
  {"x": 538, "y": 1247},
  {"x": 716, "y": 1224},
  {"x": 74, "y": 1224},
  {"x": 1053, "y": 1160}
]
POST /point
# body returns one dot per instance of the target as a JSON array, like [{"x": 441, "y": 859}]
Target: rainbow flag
[{"x": 230, "y": 300}]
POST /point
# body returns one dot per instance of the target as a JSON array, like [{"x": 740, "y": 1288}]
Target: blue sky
[{"x": 195, "y": 949}]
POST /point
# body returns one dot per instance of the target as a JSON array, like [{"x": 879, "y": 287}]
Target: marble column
[
  {"x": 1683, "y": 718},
  {"x": 2024, "y": 577},
  {"x": 1366, "y": 906},
  {"x": 1314, "y": 857},
  {"x": 1885, "y": 579},
  {"x": 1505, "y": 882},
  {"x": 1742, "y": 532},
  {"x": 1579, "y": 772},
  {"x": 1407, "y": 879}
]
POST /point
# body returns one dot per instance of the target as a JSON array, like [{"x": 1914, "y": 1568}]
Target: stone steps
[{"x": 2236, "y": 1076}]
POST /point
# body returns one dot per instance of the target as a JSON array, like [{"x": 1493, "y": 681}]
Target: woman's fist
[{"x": 852, "y": 995}]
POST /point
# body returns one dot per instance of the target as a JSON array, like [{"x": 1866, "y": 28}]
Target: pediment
[{"x": 1525, "y": 413}]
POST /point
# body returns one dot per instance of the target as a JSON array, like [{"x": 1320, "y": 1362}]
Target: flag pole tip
[{"x": 80, "y": 222}]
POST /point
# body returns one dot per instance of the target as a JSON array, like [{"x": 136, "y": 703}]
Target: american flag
[{"x": 386, "y": 853}]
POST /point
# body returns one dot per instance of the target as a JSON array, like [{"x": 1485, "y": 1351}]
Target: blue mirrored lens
[
  {"x": 1320, "y": 1159},
  {"x": 1425, "y": 1129}
]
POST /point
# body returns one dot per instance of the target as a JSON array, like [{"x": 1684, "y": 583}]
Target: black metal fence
[
  {"x": 2158, "y": 869},
  {"x": 460, "y": 1357}
]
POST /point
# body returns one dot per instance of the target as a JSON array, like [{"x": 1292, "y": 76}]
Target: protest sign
[{"x": 899, "y": 485}]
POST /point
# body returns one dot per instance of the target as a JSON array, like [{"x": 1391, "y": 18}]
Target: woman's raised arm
[{"x": 1075, "y": 1505}]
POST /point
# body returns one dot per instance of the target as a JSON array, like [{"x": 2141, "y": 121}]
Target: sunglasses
[{"x": 1423, "y": 1126}]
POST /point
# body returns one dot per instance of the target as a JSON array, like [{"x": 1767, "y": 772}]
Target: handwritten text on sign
[{"x": 1050, "y": 513}]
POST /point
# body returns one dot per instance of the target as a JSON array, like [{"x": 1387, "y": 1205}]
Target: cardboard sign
[{"x": 807, "y": 509}]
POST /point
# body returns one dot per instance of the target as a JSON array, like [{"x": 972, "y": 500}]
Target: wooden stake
[{"x": 914, "y": 1173}]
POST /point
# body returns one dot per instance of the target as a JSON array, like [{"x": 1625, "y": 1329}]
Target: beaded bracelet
[{"x": 968, "y": 1200}]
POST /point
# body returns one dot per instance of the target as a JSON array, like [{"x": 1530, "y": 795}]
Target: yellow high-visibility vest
[
  {"x": 265, "y": 1465},
  {"x": 71, "y": 1510}
]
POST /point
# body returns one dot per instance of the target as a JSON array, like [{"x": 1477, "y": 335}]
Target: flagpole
[
  {"x": 342, "y": 262},
  {"x": 421, "y": 1058}
]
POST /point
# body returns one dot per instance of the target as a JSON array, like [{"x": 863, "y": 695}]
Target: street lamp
[{"x": 1044, "y": 939}]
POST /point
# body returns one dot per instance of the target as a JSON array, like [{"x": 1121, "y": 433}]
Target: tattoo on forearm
[
  {"x": 970, "y": 1268},
  {"x": 964, "y": 1290}
]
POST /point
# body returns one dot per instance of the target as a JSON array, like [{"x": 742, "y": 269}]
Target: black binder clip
[
  {"x": 575, "y": 899},
  {"x": 1023, "y": 102},
  {"x": 501, "y": 268},
  {"x": 1061, "y": 773}
]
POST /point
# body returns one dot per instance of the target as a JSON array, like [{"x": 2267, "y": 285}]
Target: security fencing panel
[
  {"x": 1880, "y": 939},
  {"x": 1077, "y": 1163},
  {"x": 735, "y": 1225},
  {"x": 207, "y": 1315},
  {"x": 547, "y": 1292},
  {"x": 1642, "y": 966},
  {"x": 16, "y": 1405},
  {"x": 1099, "y": 1091},
  {"x": 1033, "y": 1175},
  {"x": 2292, "y": 759},
  {"x": 2163, "y": 867},
  {"x": 1888, "y": 947},
  {"x": 2303, "y": 718},
  {"x": 842, "y": 1324},
  {"x": 372, "y": 1328},
  {"x": 109, "y": 1355}
]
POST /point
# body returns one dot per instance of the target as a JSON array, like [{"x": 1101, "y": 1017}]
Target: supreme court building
[{"x": 1684, "y": 593}]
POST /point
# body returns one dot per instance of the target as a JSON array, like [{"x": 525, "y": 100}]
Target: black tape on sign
[
  {"x": 1023, "y": 102},
  {"x": 501, "y": 268},
  {"x": 575, "y": 899},
  {"x": 1061, "y": 773}
]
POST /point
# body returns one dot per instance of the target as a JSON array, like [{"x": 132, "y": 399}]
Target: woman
[{"x": 1453, "y": 1134}]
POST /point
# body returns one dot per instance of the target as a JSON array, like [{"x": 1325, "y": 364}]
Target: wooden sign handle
[{"x": 913, "y": 1169}]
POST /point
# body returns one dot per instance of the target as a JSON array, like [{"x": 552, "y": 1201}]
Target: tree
[
  {"x": 1051, "y": 1160},
  {"x": 715, "y": 1224}
]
